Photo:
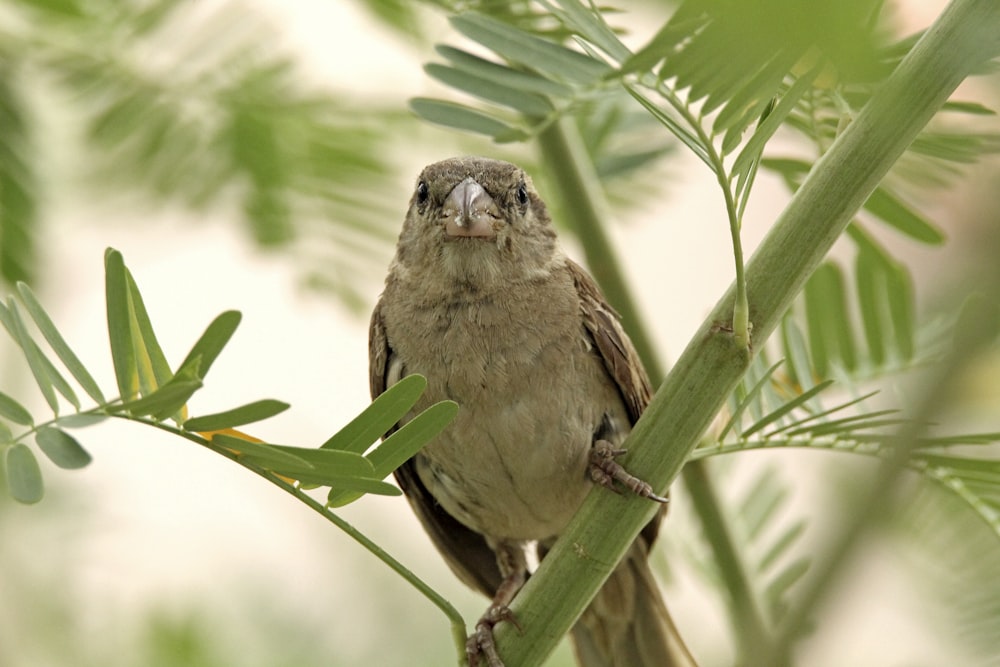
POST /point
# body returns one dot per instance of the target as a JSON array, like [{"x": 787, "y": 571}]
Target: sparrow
[{"x": 481, "y": 300}]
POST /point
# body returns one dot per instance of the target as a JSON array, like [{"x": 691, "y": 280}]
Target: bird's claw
[
  {"x": 481, "y": 642},
  {"x": 604, "y": 470}
]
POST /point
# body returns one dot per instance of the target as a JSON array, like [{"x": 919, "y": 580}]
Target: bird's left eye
[
  {"x": 522, "y": 194},
  {"x": 423, "y": 192}
]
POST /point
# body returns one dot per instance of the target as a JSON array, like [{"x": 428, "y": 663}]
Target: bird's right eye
[{"x": 423, "y": 193}]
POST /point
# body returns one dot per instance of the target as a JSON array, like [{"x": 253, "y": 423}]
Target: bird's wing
[
  {"x": 466, "y": 551},
  {"x": 612, "y": 344},
  {"x": 620, "y": 359}
]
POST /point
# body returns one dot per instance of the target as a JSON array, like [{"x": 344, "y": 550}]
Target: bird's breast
[{"x": 531, "y": 393}]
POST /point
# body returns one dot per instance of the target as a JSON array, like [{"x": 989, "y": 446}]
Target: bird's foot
[
  {"x": 481, "y": 643},
  {"x": 604, "y": 470}
]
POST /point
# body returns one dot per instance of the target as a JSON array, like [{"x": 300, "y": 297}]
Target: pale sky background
[{"x": 163, "y": 523}]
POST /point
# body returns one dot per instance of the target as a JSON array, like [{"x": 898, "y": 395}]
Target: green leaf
[
  {"x": 800, "y": 366},
  {"x": 464, "y": 118},
  {"x": 408, "y": 440},
  {"x": 528, "y": 82},
  {"x": 590, "y": 25},
  {"x": 119, "y": 327},
  {"x": 529, "y": 104},
  {"x": 974, "y": 108},
  {"x": 316, "y": 467},
  {"x": 849, "y": 425},
  {"x": 20, "y": 159},
  {"x": 885, "y": 298},
  {"x": 14, "y": 411},
  {"x": 404, "y": 443},
  {"x": 818, "y": 416},
  {"x": 24, "y": 478},
  {"x": 891, "y": 210},
  {"x": 61, "y": 448},
  {"x": 261, "y": 453},
  {"x": 675, "y": 128},
  {"x": 82, "y": 420},
  {"x": 870, "y": 285},
  {"x": 957, "y": 147},
  {"x": 151, "y": 363},
  {"x": 528, "y": 50},
  {"x": 796, "y": 402},
  {"x": 751, "y": 396},
  {"x": 245, "y": 414},
  {"x": 754, "y": 148},
  {"x": 338, "y": 498},
  {"x": 662, "y": 45},
  {"x": 380, "y": 417},
  {"x": 331, "y": 461},
  {"x": 166, "y": 400},
  {"x": 961, "y": 439},
  {"x": 205, "y": 351},
  {"x": 58, "y": 343},
  {"x": 830, "y": 331},
  {"x": 45, "y": 374},
  {"x": 330, "y": 467},
  {"x": 6, "y": 436},
  {"x": 745, "y": 100}
]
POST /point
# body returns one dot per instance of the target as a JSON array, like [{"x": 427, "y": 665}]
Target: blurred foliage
[
  {"x": 181, "y": 105},
  {"x": 193, "y": 107},
  {"x": 18, "y": 185}
]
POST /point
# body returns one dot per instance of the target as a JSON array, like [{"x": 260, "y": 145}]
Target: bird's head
[{"x": 476, "y": 221}]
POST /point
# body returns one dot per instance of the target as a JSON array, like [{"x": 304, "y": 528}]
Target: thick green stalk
[
  {"x": 964, "y": 36},
  {"x": 564, "y": 155}
]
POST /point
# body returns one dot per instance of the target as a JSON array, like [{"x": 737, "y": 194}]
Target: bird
[{"x": 482, "y": 301}]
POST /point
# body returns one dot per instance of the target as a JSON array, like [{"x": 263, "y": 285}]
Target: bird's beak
[{"x": 469, "y": 211}]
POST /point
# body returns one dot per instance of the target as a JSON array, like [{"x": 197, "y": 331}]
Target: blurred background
[{"x": 161, "y": 553}]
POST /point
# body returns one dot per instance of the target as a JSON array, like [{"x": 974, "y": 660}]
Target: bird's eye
[
  {"x": 423, "y": 192},
  {"x": 522, "y": 194}
]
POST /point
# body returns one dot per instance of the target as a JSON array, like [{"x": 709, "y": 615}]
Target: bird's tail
[{"x": 627, "y": 624}]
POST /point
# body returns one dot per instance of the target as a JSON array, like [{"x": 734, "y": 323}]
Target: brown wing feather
[
  {"x": 465, "y": 551},
  {"x": 612, "y": 343},
  {"x": 619, "y": 356}
]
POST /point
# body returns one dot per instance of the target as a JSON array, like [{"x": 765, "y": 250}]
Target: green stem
[
  {"x": 564, "y": 155},
  {"x": 741, "y": 308},
  {"x": 458, "y": 629},
  {"x": 966, "y": 35}
]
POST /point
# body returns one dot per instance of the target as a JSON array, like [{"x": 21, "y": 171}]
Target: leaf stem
[
  {"x": 706, "y": 151},
  {"x": 458, "y": 629}
]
